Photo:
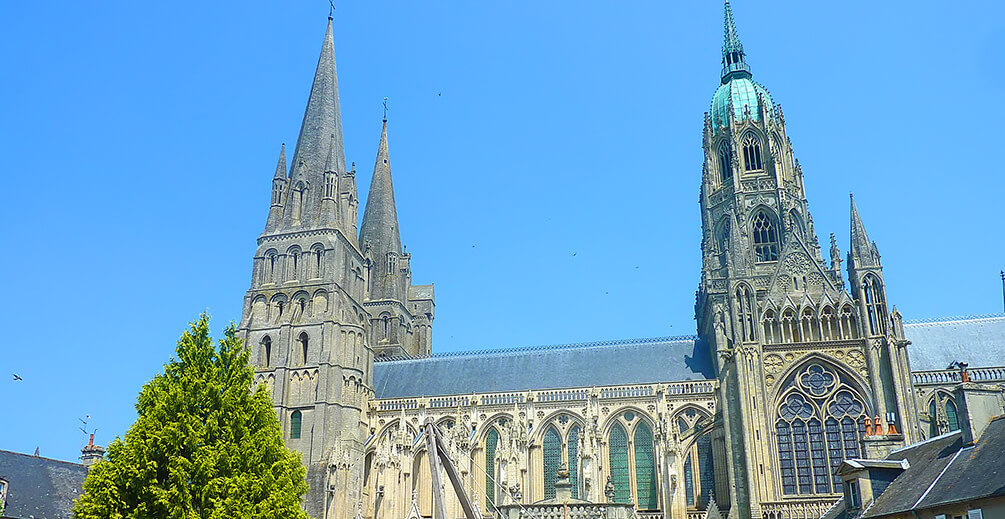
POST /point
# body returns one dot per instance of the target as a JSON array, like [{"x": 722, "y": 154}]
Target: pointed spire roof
[
  {"x": 733, "y": 58},
  {"x": 322, "y": 125},
  {"x": 861, "y": 252},
  {"x": 281, "y": 170},
  {"x": 380, "y": 223}
]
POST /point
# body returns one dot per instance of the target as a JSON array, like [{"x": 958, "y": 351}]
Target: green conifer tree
[{"x": 205, "y": 445}]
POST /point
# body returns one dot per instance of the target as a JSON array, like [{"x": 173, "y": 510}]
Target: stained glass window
[
  {"x": 552, "y": 446},
  {"x": 618, "y": 462},
  {"x": 574, "y": 460},
  {"x": 933, "y": 424},
  {"x": 490, "y": 467},
  {"x": 645, "y": 469},
  {"x": 295, "y": 423},
  {"x": 706, "y": 467},
  {"x": 952, "y": 419},
  {"x": 689, "y": 482},
  {"x": 820, "y": 423}
]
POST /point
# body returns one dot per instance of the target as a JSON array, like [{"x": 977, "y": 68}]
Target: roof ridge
[
  {"x": 972, "y": 317},
  {"x": 548, "y": 347},
  {"x": 32, "y": 456}
]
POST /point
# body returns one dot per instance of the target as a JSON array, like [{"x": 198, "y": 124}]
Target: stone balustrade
[
  {"x": 797, "y": 508},
  {"x": 952, "y": 376}
]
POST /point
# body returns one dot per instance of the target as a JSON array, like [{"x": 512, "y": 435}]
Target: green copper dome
[{"x": 743, "y": 92}]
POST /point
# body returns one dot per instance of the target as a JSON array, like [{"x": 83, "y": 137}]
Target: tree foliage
[{"x": 205, "y": 445}]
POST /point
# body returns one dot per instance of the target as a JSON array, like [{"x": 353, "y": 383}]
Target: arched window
[
  {"x": 933, "y": 417},
  {"x": 491, "y": 441},
  {"x": 295, "y": 423},
  {"x": 809, "y": 325},
  {"x": 318, "y": 255},
  {"x": 725, "y": 163},
  {"x": 796, "y": 222},
  {"x": 873, "y": 291},
  {"x": 298, "y": 201},
  {"x": 819, "y": 424},
  {"x": 772, "y": 334},
  {"x": 849, "y": 330},
  {"x": 722, "y": 235},
  {"x": 552, "y": 453},
  {"x": 303, "y": 340},
  {"x": 645, "y": 469},
  {"x": 266, "y": 351},
  {"x": 270, "y": 267},
  {"x": 573, "y": 460},
  {"x": 752, "y": 154},
  {"x": 699, "y": 471},
  {"x": 745, "y": 306},
  {"x": 790, "y": 327},
  {"x": 765, "y": 237},
  {"x": 387, "y": 327},
  {"x": 618, "y": 463},
  {"x": 829, "y": 324},
  {"x": 952, "y": 418}
]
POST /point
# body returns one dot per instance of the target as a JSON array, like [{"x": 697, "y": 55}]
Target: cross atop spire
[{"x": 733, "y": 57}]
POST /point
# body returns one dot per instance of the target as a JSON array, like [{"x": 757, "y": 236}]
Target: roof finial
[
  {"x": 331, "y": 9},
  {"x": 385, "y": 109}
]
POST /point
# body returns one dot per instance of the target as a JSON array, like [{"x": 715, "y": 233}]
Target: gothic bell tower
[
  {"x": 800, "y": 367},
  {"x": 304, "y": 318}
]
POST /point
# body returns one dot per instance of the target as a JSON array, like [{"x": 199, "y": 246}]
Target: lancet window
[
  {"x": 699, "y": 471},
  {"x": 745, "y": 308},
  {"x": 874, "y": 304},
  {"x": 725, "y": 163},
  {"x": 772, "y": 331},
  {"x": 552, "y": 450},
  {"x": 633, "y": 468},
  {"x": 491, "y": 442},
  {"x": 266, "y": 351},
  {"x": 820, "y": 421},
  {"x": 752, "y": 154},
  {"x": 765, "y": 237},
  {"x": 295, "y": 424},
  {"x": 303, "y": 340},
  {"x": 555, "y": 451}
]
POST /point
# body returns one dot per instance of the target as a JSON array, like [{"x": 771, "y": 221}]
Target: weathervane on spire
[
  {"x": 385, "y": 109},
  {"x": 331, "y": 8}
]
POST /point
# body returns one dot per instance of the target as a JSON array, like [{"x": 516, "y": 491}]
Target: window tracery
[
  {"x": 697, "y": 484},
  {"x": 618, "y": 463},
  {"x": 491, "y": 442},
  {"x": 752, "y": 154},
  {"x": 552, "y": 454},
  {"x": 725, "y": 163},
  {"x": 745, "y": 307},
  {"x": 874, "y": 305},
  {"x": 645, "y": 469},
  {"x": 819, "y": 423},
  {"x": 765, "y": 237}
]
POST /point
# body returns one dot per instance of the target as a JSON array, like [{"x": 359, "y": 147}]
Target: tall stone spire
[
  {"x": 862, "y": 252},
  {"x": 733, "y": 58},
  {"x": 321, "y": 129},
  {"x": 380, "y": 231}
]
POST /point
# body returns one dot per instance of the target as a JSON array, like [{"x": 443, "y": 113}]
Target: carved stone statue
[{"x": 609, "y": 490}]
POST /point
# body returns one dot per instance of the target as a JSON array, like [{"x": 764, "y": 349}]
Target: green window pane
[
  {"x": 933, "y": 425},
  {"x": 574, "y": 460},
  {"x": 490, "y": 467},
  {"x": 645, "y": 468},
  {"x": 951, "y": 417},
  {"x": 295, "y": 424},
  {"x": 552, "y": 461},
  {"x": 706, "y": 468},
  {"x": 688, "y": 482},
  {"x": 618, "y": 462}
]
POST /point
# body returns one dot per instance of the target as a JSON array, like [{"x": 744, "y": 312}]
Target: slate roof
[
  {"x": 642, "y": 361},
  {"x": 980, "y": 341},
  {"x": 942, "y": 472},
  {"x": 41, "y": 488}
]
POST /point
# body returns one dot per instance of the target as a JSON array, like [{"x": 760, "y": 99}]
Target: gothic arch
[
  {"x": 553, "y": 418},
  {"x": 752, "y": 146},
  {"x": 854, "y": 379},
  {"x": 618, "y": 413},
  {"x": 745, "y": 303},
  {"x": 492, "y": 422},
  {"x": 765, "y": 232}
]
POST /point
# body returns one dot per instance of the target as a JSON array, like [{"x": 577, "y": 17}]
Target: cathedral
[{"x": 797, "y": 363}]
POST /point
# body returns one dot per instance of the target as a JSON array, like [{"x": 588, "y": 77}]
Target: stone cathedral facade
[{"x": 797, "y": 363}]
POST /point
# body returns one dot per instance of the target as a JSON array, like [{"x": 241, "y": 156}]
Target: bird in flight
[{"x": 16, "y": 377}]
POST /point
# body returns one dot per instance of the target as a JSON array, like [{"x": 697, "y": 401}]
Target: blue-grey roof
[
  {"x": 575, "y": 365},
  {"x": 37, "y": 487},
  {"x": 979, "y": 341}
]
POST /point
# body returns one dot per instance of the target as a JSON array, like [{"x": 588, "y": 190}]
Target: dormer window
[{"x": 854, "y": 497}]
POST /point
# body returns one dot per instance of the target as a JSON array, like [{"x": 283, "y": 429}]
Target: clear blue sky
[{"x": 546, "y": 158}]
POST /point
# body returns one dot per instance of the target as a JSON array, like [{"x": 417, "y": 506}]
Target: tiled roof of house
[{"x": 40, "y": 488}]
